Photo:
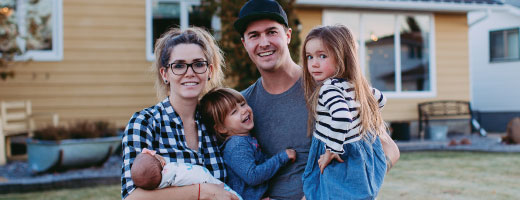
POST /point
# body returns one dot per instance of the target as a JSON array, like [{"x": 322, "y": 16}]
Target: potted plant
[{"x": 81, "y": 144}]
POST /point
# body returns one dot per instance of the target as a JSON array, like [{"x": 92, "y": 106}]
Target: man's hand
[
  {"x": 291, "y": 153},
  {"x": 326, "y": 158}
]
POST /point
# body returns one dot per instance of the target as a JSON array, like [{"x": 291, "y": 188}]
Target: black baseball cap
[{"x": 259, "y": 9}]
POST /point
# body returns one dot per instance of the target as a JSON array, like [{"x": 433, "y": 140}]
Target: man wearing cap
[{"x": 277, "y": 97}]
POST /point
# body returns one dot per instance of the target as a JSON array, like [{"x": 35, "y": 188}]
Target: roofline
[
  {"x": 432, "y": 6},
  {"x": 513, "y": 9}
]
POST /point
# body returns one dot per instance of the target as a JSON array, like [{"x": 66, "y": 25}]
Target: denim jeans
[{"x": 360, "y": 176}]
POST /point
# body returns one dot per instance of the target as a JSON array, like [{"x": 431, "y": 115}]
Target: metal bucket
[{"x": 437, "y": 132}]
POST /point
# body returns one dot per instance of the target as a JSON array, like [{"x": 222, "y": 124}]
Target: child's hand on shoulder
[{"x": 291, "y": 153}]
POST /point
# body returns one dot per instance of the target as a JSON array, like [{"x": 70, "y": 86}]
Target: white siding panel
[{"x": 495, "y": 86}]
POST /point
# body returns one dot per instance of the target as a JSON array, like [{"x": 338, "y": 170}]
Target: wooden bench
[
  {"x": 445, "y": 109},
  {"x": 17, "y": 118}
]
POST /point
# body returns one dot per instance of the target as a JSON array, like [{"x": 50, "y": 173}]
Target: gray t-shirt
[{"x": 281, "y": 123}]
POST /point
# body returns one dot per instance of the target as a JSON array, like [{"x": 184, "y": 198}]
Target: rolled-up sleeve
[{"x": 138, "y": 135}]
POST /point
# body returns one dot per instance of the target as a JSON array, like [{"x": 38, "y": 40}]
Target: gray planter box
[{"x": 45, "y": 155}]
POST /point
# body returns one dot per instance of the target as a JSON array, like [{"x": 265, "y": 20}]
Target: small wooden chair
[{"x": 16, "y": 118}]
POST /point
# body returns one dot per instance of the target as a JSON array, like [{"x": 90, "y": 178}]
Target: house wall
[
  {"x": 494, "y": 84},
  {"x": 452, "y": 67},
  {"x": 309, "y": 18},
  {"x": 104, "y": 74}
]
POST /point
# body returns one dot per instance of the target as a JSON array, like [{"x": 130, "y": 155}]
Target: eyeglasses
[{"x": 199, "y": 67}]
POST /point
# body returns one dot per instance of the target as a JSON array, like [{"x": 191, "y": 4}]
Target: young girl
[
  {"x": 226, "y": 111},
  {"x": 345, "y": 111}
]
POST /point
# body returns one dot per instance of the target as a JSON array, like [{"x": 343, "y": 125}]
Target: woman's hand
[
  {"x": 326, "y": 158},
  {"x": 214, "y": 191}
]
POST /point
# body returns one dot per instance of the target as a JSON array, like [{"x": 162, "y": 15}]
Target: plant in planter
[{"x": 81, "y": 144}]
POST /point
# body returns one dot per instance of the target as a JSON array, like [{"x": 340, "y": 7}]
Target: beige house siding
[
  {"x": 309, "y": 18},
  {"x": 451, "y": 41},
  {"x": 453, "y": 81},
  {"x": 104, "y": 74},
  {"x": 452, "y": 61}
]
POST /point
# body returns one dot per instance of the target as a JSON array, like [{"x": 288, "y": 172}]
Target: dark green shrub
[{"x": 77, "y": 130}]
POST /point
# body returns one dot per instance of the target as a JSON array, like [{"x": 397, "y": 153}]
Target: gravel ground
[
  {"x": 16, "y": 176},
  {"x": 491, "y": 143}
]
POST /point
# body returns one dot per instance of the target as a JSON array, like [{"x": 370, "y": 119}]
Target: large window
[
  {"x": 504, "y": 45},
  {"x": 378, "y": 37},
  {"x": 395, "y": 49},
  {"x": 39, "y": 25},
  {"x": 164, "y": 14}
]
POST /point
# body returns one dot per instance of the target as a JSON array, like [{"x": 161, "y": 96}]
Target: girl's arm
[
  {"x": 334, "y": 131},
  {"x": 239, "y": 157},
  {"x": 380, "y": 98},
  {"x": 207, "y": 191}
]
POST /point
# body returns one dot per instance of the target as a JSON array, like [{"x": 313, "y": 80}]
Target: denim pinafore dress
[{"x": 360, "y": 176}]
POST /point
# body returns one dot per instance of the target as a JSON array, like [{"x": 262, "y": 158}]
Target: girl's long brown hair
[{"x": 340, "y": 43}]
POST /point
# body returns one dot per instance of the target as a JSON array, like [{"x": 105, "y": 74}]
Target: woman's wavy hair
[
  {"x": 193, "y": 35},
  {"x": 341, "y": 45}
]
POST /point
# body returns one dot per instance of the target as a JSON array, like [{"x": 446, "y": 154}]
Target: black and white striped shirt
[{"x": 337, "y": 120}]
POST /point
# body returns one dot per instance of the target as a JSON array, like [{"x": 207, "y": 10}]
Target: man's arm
[{"x": 391, "y": 151}]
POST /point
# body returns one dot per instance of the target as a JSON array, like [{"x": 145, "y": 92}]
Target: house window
[
  {"x": 394, "y": 49},
  {"x": 165, "y": 14},
  {"x": 415, "y": 59},
  {"x": 378, "y": 37},
  {"x": 40, "y": 28},
  {"x": 504, "y": 45}
]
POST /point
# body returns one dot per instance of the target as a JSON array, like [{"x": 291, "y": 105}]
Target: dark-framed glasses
[{"x": 199, "y": 67}]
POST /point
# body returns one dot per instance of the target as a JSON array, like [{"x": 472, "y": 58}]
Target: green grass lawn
[
  {"x": 454, "y": 175},
  {"x": 421, "y": 175}
]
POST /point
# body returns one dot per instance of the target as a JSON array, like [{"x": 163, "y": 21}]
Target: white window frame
[
  {"x": 500, "y": 60},
  {"x": 56, "y": 54},
  {"x": 184, "y": 21},
  {"x": 397, "y": 48}
]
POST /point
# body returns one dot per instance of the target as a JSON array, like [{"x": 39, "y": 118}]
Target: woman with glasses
[{"x": 187, "y": 64}]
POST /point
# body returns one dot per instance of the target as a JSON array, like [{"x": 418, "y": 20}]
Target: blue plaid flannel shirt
[{"x": 160, "y": 128}]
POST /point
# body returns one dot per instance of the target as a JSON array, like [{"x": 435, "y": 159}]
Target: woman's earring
[
  {"x": 165, "y": 82},
  {"x": 209, "y": 78}
]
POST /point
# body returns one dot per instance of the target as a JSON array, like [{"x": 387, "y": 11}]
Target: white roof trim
[
  {"x": 513, "y": 10},
  {"x": 402, "y": 5}
]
